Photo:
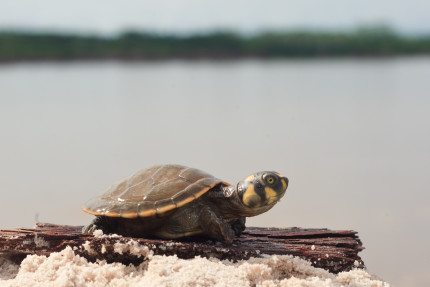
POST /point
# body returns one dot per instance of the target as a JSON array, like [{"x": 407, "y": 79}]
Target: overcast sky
[{"x": 195, "y": 15}]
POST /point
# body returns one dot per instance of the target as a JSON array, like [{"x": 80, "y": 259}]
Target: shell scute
[{"x": 153, "y": 191}]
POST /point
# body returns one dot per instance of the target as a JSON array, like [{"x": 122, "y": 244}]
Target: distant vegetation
[{"x": 372, "y": 41}]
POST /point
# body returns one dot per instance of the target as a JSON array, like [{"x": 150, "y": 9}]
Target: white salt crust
[
  {"x": 65, "y": 268},
  {"x": 98, "y": 233}
]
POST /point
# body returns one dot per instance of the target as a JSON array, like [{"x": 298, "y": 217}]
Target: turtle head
[{"x": 260, "y": 191}]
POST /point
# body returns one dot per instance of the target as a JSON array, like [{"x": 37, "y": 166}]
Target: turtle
[{"x": 172, "y": 201}]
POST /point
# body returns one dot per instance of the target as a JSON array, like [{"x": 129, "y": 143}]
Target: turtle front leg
[
  {"x": 215, "y": 227},
  {"x": 238, "y": 226}
]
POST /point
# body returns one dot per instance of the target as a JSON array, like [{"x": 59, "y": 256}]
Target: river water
[{"x": 352, "y": 135}]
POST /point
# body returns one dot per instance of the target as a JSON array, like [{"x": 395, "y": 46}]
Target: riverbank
[{"x": 136, "y": 45}]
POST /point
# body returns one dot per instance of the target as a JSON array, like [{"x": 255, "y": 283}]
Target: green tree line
[{"x": 376, "y": 41}]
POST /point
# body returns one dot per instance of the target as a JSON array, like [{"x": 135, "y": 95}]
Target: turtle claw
[
  {"x": 238, "y": 226},
  {"x": 89, "y": 229}
]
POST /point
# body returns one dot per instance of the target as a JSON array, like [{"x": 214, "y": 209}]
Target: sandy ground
[{"x": 65, "y": 268}]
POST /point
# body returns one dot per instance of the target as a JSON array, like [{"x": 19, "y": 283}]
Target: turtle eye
[{"x": 270, "y": 179}]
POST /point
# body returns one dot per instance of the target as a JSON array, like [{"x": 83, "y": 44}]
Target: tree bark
[{"x": 334, "y": 251}]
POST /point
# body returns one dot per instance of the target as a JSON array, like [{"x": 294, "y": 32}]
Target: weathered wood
[{"x": 335, "y": 251}]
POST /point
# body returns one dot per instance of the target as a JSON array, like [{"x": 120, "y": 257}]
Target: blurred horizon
[
  {"x": 373, "y": 41},
  {"x": 191, "y": 29}
]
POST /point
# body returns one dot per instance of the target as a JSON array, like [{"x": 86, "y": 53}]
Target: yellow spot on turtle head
[
  {"x": 284, "y": 184},
  {"x": 250, "y": 178},
  {"x": 271, "y": 195},
  {"x": 250, "y": 198}
]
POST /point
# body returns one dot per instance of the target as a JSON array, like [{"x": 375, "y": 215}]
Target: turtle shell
[{"x": 153, "y": 191}]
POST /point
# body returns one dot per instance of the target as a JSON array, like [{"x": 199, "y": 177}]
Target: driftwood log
[{"x": 334, "y": 251}]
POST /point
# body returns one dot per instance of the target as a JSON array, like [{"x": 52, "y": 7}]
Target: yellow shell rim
[{"x": 155, "y": 211}]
